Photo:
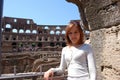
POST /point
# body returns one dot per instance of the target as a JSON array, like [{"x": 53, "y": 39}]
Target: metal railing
[{"x": 31, "y": 75}]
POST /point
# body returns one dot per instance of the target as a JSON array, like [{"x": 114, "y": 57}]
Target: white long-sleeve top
[{"x": 79, "y": 61}]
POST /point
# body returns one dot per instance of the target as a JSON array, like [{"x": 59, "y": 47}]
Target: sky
[{"x": 43, "y": 12}]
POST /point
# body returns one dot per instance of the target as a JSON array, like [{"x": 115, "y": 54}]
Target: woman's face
[{"x": 74, "y": 35}]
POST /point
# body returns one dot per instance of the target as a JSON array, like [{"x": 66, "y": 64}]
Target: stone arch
[
  {"x": 15, "y": 20},
  {"x": 14, "y": 30},
  {"x": 34, "y": 31},
  {"x": 46, "y": 27},
  {"x": 52, "y": 32},
  {"x": 39, "y": 44},
  {"x": 8, "y": 26},
  {"x": 52, "y": 44},
  {"x": 57, "y": 44},
  {"x": 28, "y": 21},
  {"x": 57, "y": 32},
  {"x": 63, "y": 32},
  {"x": 58, "y": 28},
  {"x": 14, "y": 45},
  {"x": 27, "y": 31},
  {"x": 2, "y": 29},
  {"x": 63, "y": 44},
  {"x": 21, "y": 31}
]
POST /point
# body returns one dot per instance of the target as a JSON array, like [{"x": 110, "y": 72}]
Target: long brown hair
[{"x": 68, "y": 28}]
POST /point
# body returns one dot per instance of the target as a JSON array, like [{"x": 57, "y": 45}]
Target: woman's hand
[{"x": 48, "y": 75}]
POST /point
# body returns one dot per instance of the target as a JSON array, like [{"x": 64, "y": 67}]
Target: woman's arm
[
  {"x": 56, "y": 71},
  {"x": 63, "y": 65},
  {"x": 91, "y": 64}
]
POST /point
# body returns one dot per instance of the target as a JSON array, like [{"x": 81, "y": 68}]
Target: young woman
[{"x": 77, "y": 56}]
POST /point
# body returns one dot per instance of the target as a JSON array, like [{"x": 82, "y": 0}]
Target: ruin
[
  {"x": 24, "y": 43},
  {"x": 20, "y": 34},
  {"x": 102, "y": 18}
]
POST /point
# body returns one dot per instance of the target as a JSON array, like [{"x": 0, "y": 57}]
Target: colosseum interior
[
  {"x": 101, "y": 17},
  {"x": 24, "y": 43}
]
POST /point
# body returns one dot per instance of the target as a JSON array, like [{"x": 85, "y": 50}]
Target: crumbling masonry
[{"x": 20, "y": 34}]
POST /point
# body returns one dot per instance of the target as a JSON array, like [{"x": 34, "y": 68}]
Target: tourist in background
[{"x": 77, "y": 57}]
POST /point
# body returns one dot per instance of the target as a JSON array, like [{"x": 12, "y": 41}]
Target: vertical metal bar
[
  {"x": 41, "y": 71},
  {"x": 1, "y": 12},
  {"x": 14, "y": 69}
]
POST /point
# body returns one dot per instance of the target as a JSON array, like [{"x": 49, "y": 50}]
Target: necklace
[
  {"x": 71, "y": 52},
  {"x": 71, "y": 56},
  {"x": 77, "y": 46}
]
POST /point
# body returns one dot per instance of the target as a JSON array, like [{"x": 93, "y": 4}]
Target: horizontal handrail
[
  {"x": 32, "y": 75},
  {"x": 21, "y": 75}
]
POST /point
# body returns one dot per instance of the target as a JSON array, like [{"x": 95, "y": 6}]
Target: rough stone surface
[
  {"x": 103, "y": 13},
  {"x": 99, "y": 13},
  {"x": 106, "y": 44}
]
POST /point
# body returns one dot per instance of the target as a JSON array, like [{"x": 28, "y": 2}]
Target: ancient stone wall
[
  {"x": 106, "y": 44},
  {"x": 19, "y": 34},
  {"x": 104, "y": 19},
  {"x": 27, "y": 62}
]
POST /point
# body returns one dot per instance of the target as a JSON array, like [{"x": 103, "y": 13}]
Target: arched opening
[
  {"x": 63, "y": 44},
  {"x": 39, "y": 44},
  {"x": 52, "y": 44},
  {"x": 33, "y": 44}
]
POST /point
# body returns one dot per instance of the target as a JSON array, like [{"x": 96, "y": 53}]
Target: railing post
[
  {"x": 41, "y": 71},
  {"x": 1, "y": 12},
  {"x": 14, "y": 69}
]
